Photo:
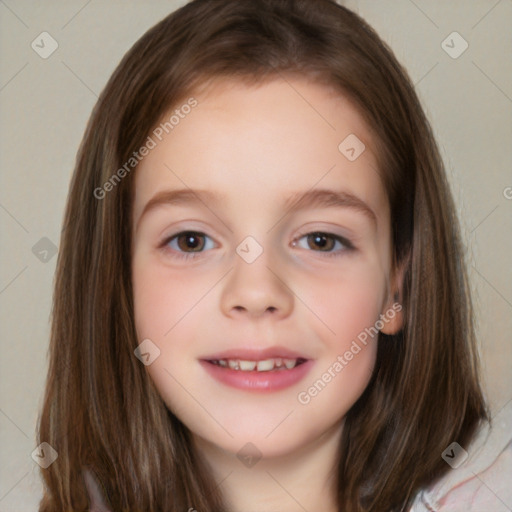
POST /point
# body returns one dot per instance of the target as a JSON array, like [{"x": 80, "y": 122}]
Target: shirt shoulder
[
  {"x": 479, "y": 483},
  {"x": 96, "y": 499}
]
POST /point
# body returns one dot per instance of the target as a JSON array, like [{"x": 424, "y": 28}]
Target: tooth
[
  {"x": 247, "y": 365},
  {"x": 266, "y": 365},
  {"x": 233, "y": 364}
]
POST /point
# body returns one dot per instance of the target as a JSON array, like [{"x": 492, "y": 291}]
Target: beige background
[{"x": 45, "y": 104}]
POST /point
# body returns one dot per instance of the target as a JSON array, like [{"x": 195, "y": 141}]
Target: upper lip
[{"x": 247, "y": 354}]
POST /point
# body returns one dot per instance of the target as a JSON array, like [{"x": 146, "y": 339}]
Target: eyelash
[{"x": 347, "y": 244}]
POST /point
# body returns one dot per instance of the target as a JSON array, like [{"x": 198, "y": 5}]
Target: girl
[{"x": 260, "y": 302}]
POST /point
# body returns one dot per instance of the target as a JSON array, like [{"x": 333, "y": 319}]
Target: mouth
[{"x": 264, "y": 370}]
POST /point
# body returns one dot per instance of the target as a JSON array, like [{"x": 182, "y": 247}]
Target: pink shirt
[{"x": 483, "y": 482}]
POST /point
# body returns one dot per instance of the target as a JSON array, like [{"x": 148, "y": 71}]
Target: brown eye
[
  {"x": 321, "y": 241},
  {"x": 190, "y": 241},
  {"x": 328, "y": 244},
  {"x": 187, "y": 244}
]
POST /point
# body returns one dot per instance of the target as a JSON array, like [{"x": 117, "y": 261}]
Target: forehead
[{"x": 257, "y": 144}]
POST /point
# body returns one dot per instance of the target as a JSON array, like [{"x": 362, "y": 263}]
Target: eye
[
  {"x": 324, "y": 242},
  {"x": 188, "y": 242}
]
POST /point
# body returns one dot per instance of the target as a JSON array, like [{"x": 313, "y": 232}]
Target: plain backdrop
[{"x": 45, "y": 103}]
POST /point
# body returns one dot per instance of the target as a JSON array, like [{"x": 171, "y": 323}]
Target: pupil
[
  {"x": 320, "y": 240},
  {"x": 192, "y": 241}
]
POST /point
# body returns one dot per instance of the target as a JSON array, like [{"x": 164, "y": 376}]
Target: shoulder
[
  {"x": 96, "y": 500},
  {"x": 482, "y": 481}
]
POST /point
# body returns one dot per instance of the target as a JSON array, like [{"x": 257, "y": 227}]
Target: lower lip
[{"x": 258, "y": 381}]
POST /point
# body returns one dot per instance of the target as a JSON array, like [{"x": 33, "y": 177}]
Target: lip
[
  {"x": 254, "y": 381},
  {"x": 255, "y": 355}
]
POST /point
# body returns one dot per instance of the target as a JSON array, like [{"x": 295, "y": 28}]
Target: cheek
[
  {"x": 349, "y": 305},
  {"x": 347, "y": 301},
  {"x": 162, "y": 299},
  {"x": 165, "y": 305}
]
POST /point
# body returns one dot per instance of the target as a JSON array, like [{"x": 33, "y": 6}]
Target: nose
[{"x": 256, "y": 289}]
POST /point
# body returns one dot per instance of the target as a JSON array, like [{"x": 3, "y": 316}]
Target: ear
[{"x": 393, "y": 313}]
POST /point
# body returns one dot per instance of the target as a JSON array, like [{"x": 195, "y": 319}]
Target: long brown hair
[{"x": 101, "y": 410}]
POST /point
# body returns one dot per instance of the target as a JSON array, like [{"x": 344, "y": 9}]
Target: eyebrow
[
  {"x": 180, "y": 196},
  {"x": 326, "y": 198},
  {"x": 314, "y": 198}
]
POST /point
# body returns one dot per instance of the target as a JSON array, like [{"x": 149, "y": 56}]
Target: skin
[{"x": 257, "y": 146}]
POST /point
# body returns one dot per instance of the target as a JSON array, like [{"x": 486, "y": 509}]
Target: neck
[{"x": 302, "y": 480}]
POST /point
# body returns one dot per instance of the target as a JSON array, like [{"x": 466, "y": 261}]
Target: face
[{"x": 277, "y": 251}]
